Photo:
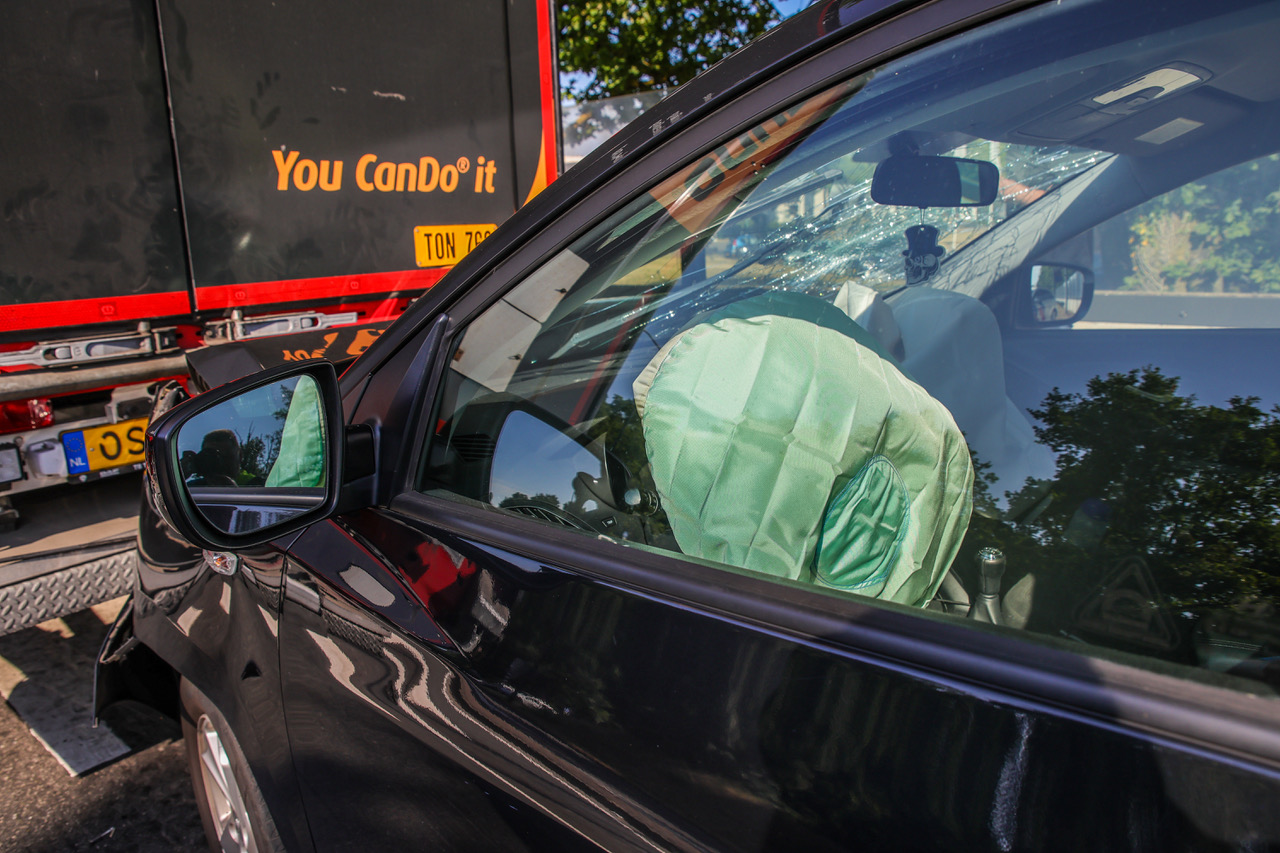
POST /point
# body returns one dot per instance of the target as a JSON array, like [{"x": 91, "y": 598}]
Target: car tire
[{"x": 234, "y": 814}]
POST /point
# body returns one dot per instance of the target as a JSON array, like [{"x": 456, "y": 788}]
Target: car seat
[
  {"x": 951, "y": 344},
  {"x": 953, "y": 347},
  {"x": 782, "y": 439}
]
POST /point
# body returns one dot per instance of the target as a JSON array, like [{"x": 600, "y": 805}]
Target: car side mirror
[
  {"x": 1057, "y": 294},
  {"x": 920, "y": 181},
  {"x": 251, "y": 460}
]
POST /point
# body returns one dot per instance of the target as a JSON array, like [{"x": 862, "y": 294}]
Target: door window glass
[{"x": 871, "y": 344}]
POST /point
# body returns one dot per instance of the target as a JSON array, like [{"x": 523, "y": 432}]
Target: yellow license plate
[
  {"x": 103, "y": 447},
  {"x": 445, "y": 245}
]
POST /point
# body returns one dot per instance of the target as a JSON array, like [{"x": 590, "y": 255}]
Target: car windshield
[
  {"x": 823, "y": 227},
  {"x": 806, "y": 224}
]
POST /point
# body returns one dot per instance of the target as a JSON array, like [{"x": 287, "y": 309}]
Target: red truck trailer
[{"x": 180, "y": 173}]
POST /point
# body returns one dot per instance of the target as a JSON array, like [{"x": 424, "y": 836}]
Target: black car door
[
  {"x": 542, "y": 637},
  {"x": 641, "y": 721}
]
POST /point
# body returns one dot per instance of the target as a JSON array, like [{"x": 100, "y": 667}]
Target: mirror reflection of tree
[
  {"x": 237, "y": 442},
  {"x": 257, "y": 454},
  {"x": 619, "y": 431},
  {"x": 1156, "y": 497},
  {"x": 520, "y": 499},
  {"x": 259, "y": 450}
]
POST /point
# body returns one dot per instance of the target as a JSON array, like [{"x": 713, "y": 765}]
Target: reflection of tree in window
[
  {"x": 258, "y": 452},
  {"x": 1186, "y": 494},
  {"x": 254, "y": 456},
  {"x": 520, "y": 499}
]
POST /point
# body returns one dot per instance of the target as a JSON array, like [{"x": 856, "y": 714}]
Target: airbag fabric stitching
[{"x": 771, "y": 435}]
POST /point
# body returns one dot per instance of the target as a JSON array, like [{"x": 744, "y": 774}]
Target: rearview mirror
[
  {"x": 919, "y": 181},
  {"x": 251, "y": 460}
]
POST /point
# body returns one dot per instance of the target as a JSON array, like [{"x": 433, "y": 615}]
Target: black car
[{"x": 947, "y": 516}]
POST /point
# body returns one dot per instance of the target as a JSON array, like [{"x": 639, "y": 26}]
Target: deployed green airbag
[
  {"x": 301, "y": 460},
  {"x": 784, "y": 445}
]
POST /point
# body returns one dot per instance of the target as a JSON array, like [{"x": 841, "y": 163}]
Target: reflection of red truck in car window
[{"x": 189, "y": 172}]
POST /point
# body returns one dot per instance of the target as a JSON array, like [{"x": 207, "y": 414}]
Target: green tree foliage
[
  {"x": 1195, "y": 489},
  {"x": 255, "y": 456},
  {"x": 1189, "y": 491},
  {"x": 520, "y": 499},
  {"x": 630, "y": 46},
  {"x": 1217, "y": 235}
]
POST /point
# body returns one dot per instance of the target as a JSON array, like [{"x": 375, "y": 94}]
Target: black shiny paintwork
[
  {"x": 422, "y": 674},
  {"x": 521, "y": 699},
  {"x": 220, "y": 632},
  {"x": 674, "y": 726},
  {"x": 182, "y": 610}
]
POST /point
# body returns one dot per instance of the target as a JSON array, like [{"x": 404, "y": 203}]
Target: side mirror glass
[
  {"x": 242, "y": 463},
  {"x": 258, "y": 458},
  {"x": 919, "y": 181},
  {"x": 511, "y": 454},
  {"x": 1059, "y": 293}
]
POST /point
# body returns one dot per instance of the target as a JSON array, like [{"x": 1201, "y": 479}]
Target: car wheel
[{"x": 232, "y": 809}]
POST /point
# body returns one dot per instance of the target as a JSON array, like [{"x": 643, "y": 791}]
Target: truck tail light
[{"x": 20, "y": 415}]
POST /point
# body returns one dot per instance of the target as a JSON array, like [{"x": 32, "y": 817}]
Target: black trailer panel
[
  {"x": 88, "y": 186},
  {"x": 304, "y": 164},
  {"x": 180, "y": 160}
]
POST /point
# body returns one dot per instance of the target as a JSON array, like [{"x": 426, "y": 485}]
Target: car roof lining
[
  {"x": 1239, "y": 58},
  {"x": 1107, "y": 189}
]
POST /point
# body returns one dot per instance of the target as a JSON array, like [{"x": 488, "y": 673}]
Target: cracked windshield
[
  {"x": 969, "y": 333},
  {"x": 823, "y": 229}
]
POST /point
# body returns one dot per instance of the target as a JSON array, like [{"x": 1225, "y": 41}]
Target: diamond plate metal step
[{"x": 52, "y": 594}]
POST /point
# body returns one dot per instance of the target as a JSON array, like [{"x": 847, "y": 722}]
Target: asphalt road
[{"x": 141, "y": 802}]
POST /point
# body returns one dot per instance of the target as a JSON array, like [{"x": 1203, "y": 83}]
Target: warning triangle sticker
[{"x": 1126, "y": 606}]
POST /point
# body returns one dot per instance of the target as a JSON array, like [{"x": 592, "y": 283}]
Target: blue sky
[{"x": 787, "y": 8}]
